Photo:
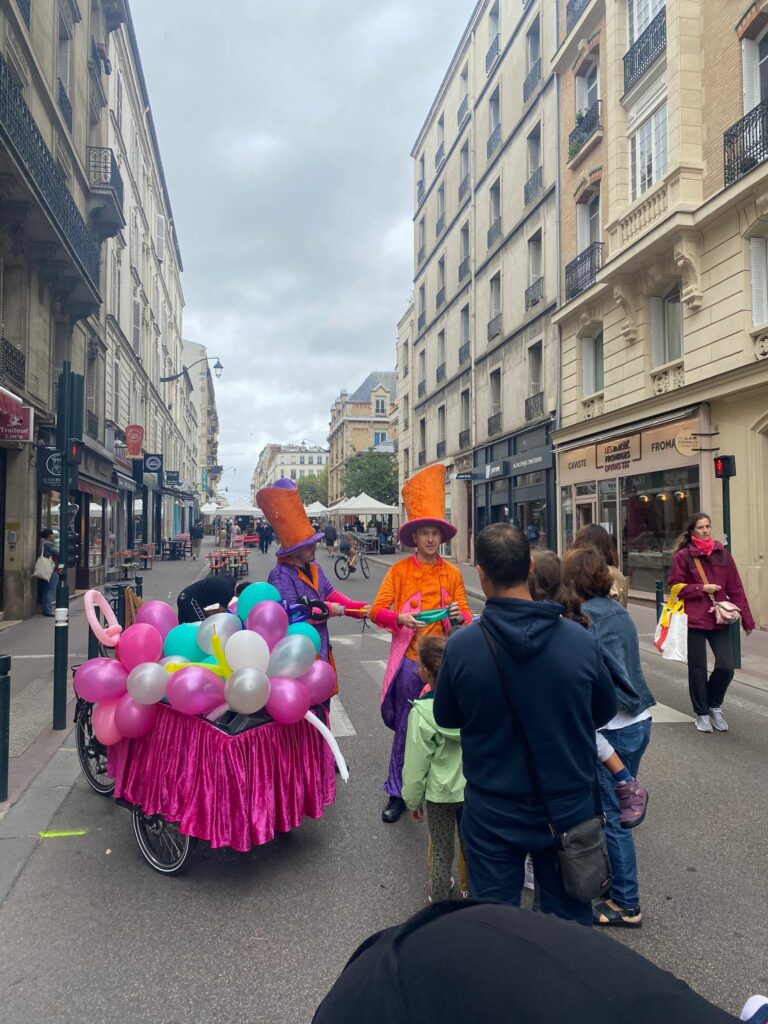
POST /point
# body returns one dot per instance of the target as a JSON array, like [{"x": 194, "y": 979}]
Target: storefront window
[
  {"x": 531, "y": 517},
  {"x": 566, "y": 516},
  {"x": 654, "y": 511},
  {"x": 95, "y": 531},
  {"x": 50, "y": 518},
  {"x": 608, "y": 513}
]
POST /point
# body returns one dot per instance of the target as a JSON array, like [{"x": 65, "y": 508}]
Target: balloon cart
[{"x": 215, "y": 730}]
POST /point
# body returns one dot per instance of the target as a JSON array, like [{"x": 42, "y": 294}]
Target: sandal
[{"x": 606, "y": 916}]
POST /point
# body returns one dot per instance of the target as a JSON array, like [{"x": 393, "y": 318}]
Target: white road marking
[
  {"x": 344, "y": 641},
  {"x": 375, "y": 670},
  {"x": 661, "y": 713},
  {"x": 340, "y": 723}
]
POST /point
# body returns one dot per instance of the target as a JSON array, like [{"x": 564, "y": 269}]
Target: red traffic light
[
  {"x": 725, "y": 466},
  {"x": 74, "y": 451}
]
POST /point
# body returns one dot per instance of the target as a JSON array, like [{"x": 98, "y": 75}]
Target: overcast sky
[{"x": 285, "y": 131}]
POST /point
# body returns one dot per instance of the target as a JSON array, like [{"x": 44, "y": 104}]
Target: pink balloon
[
  {"x": 100, "y": 679},
  {"x": 195, "y": 690},
  {"x": 270, "y": 620},
  {"x": 320, "y": 681},
  {"x": 158, "y": 614},
  {"x": 133, "y": 719},
  {"x": 104, "y": 724},
  {"x": 288, "y": 700},
  {"x": 138, "y": 644}
]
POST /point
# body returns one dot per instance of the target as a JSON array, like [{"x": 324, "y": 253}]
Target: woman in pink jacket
[{"x": 708, "y": 573}]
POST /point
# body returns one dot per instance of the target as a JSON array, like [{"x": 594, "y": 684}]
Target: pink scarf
[{"x": 706, "y": 547}]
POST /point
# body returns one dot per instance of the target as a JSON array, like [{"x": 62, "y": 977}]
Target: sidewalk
[{"x": 754, "y": 649}]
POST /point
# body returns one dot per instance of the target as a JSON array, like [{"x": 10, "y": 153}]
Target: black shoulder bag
[{"x": 581, "y": 851}]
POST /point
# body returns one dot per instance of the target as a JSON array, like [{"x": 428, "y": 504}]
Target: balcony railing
[
  {"x": 464, "y": 439},
  {"x": 440, "y": 225},
  {"x": 13, "y": 363},
  {"x": 64, "y": 105},
  {"x": 494, "y": 424},
  {"x": 91, "y": 423},
  {"x": 19, "y": 130},
  {"x": 440, "y": 450},
  {"x": 587, "y": 123},
  {"x": 533, "y": 185},
  {"x": 103, "y": 171},
  {"x": 463, "y": 111},
  {"x": 422, "y": 321},
  {"x": 440, "y": 298},
  {"x": 573, "y": 12},
  {"x": 419, "y": 190},
  {"x": 421, "y": 254},
  {"x": 535, "y": 293},
  {"x": 494, "y": 232},
  {"x": 581, "y": 272},
  {"x": 422, "y": 388},
  {"x": 24, "y": 7},
  {"x": 646, "y": 49},
  {"x": 440, "y": 373},
  {"x": 493, "y": 140},
  {"x": 532, "y": 80},
  {"x": 493, "y": 53},
  {"x": 439, "y": 155},
  {"x": 422, "y": 458},
  {"x": 464, "y": 268},
  {"x": 464, "y": 187},
  {"x": 534, "y": 406},
  {"x": 745, "y": 144},
  {"x": 494, "y": 326},
  {"x": 464, "y": 353}
]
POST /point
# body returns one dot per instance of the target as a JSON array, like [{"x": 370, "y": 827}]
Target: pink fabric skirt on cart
[{"x": 235, "y": 791}]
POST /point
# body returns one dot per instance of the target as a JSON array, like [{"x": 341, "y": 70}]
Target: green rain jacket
[{"x": 432, "y": 768}]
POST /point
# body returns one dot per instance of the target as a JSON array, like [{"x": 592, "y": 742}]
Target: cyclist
[{"x": 350, "y": 546}]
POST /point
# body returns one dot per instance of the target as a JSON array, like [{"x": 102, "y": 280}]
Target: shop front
[
  {"x": 641, "y": 483},
  {"x": 95, "y": 495}
]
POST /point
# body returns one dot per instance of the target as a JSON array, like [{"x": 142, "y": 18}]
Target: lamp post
[{"x": 217, "y": 369}]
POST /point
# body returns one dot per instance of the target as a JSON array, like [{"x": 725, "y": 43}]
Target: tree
[
  {"x": 372, "y": 472},
  {"x": 314, "y": 487}
]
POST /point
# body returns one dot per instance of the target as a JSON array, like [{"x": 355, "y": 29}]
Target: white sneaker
[
  {"x": 704, "y": 723},
  {"x": 717, "y": 720}
]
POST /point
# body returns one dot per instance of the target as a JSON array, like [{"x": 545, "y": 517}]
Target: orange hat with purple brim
[
  {"x": 281, "y": 504},
  {"x": 424, "y": 497}
]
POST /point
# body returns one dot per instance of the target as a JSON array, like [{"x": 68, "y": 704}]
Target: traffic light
[
  {"x": 725, "y": 466},
  {"x": 74, "y": 451},
  {"x": 73, "y": 550}
]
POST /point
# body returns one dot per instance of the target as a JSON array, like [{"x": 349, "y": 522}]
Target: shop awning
[
  {"x": 96, "y": 490},
  {"x": 9, "y": 404}
]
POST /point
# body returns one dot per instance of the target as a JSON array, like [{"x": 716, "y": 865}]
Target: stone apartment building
[
  {"x": 290, "y": 461},
  {"x": 197, "y": 361},
  {"x": 359, "y": 422}
]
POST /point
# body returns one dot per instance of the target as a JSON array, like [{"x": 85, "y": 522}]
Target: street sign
[
  {"x": 153, "y": 463},
  {"x": 463, "y": 476}
]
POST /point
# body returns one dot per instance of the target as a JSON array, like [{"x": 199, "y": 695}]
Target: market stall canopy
[
  {"x": 365, "y": 505},
  {"x": 240, "y": 510},
  {"x": 317, "y": 508},
  {"x": 209, "y": 509}
]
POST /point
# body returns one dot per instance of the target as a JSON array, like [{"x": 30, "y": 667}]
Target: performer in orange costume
[{"x": 421, "y": 582}]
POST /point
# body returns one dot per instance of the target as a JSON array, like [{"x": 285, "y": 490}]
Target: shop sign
[
  {"x": 153, "y": 463},
  {"x": 172, "y": 477},
  {"x": 16, "y": 426},
  {"x": 134, "y": 438},
  {"x": 496, "y": 469},
  {"x": 687, "y": 442},
  {"x": 48, "y": 469},
  {"x": 618, "y": 454},
  {"x": 204, "y": 478},
  {"x": 463, "y": 476},
  {"x": 578, "y": 459},
  {"x": 530, "y": 462}
]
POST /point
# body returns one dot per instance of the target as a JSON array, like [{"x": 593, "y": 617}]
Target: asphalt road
[{"x": 89, "y": 931}]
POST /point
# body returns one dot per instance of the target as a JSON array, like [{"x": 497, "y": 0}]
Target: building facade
[
  {"x": 208, "y": 470},
  {"x": 289, "y": 461},
  {"x": 359, "y": 422}
]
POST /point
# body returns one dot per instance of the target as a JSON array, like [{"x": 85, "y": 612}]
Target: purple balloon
[
  {"x": 100, "y": 679},
  {"x": 158, "y": 614},
  {"x": 134, "y": 719},
  {"x": 288, "y": 700},
  {"x": 270, "y": 620},
  {"x": 195, "y": 690},
  {"x": 320, "y": 681},
  {"x": 139, "y": 643}
]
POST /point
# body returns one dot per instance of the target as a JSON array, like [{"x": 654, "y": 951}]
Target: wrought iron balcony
[
  {"x": 464, "y": 268},
  {"x": 19, "y": 131},
  {"x": 493, "y": 140},
  {"x": 745, "y": 144},
  {"x": 422, "y": 458},
  {"x": 24, "y": 7},
  {"x": 419, "y": 190},
  {"x": 573, "y": 12},
  {"x": 463, "y": 111},
  {"x": 422, "y": 388},
  {"x": 440, "y": 298},
  {"x": 587, "y": 123},
  {"x": 91, "y": 424},
  {"x": 494, "y": 424},
  {"x": 421, "y": 254},
  {"x": 464, "y": 439},
  {"x": 494, "y": 326},
  {"x": 440, "y": 450},
  {"x": 532, "y": 80},
  {"x": 533, "y": 185},
  {"x": 534, "y": 406},
  {"x": 464, "y": 187},
  {"x": 645, "y": 50},
  {"x": 464, "y": 353},
  {"x": 103, "y": 171},
  {"x": 581, "y": 272},
  {"x": 440, "y": 225},
  {"x": 422, "y": 321},
  {"x": 535, "y": 293},
  {"x": 440, "y": 373},
  {"x": 494, "y": 232},
  {"x": 439, "y": 155},
  {"x": 64, "y": 105},
  {"x": 13, "y": 363},
  {"x": 493, "y": 53}
]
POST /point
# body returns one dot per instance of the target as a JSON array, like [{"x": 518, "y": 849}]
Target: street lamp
[{"x": 217, "y": 369}]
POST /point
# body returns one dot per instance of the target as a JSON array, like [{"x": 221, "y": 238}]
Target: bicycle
[{"x": 343, "y": 569}]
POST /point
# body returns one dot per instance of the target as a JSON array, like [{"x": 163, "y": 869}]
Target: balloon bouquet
[{"x": 262, "y": 656}]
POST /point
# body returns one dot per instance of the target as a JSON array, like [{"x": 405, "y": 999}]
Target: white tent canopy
[
  {"x": 240, "y": 510},
  {"x": 209, "y": 509},
  {"x": 317, "y": 508},
  {"x": 365, "y": 505}
]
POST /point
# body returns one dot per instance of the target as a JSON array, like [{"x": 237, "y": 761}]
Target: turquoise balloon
[
  {"x": 210, "y": 660},
  {"x": 304, "y": 629},
  {"x": 182, "y": 640},
  {"x": 254, "y": 594}
]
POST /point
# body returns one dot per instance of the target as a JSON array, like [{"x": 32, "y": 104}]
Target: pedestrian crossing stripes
[{"x": 340, "y": 723}]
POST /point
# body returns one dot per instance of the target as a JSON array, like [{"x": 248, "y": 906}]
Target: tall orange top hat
[
  {"x": 281, "y": 504},
  {"x": 424, "y": 497}
]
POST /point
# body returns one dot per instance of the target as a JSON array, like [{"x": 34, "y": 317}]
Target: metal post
[
  {"x": 121, "y": 606},
  {"x": 735, "y": 626},
  {"x": 139, "y": 586},
  {"x": 5, "y": 723},
  {"x": 659, "y": 598},
  {"x": 61, "y": 627}
]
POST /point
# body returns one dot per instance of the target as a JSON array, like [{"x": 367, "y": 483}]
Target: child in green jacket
[{"x": 432, "y": 771}]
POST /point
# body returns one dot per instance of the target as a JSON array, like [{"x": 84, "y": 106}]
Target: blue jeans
[
  {"x": 49, "y": 593},
  {"x": 629, "y": 743}
]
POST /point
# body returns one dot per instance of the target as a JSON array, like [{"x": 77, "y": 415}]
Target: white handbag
[{"x": 44, "y": 568}]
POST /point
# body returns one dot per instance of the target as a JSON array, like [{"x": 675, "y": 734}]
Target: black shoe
[{"x": 393, "y": 810}]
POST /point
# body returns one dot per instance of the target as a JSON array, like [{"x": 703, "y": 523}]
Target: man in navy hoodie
[{"x": 561, "y": 691}]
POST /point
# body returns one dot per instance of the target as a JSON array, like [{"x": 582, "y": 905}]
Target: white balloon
[
  {"x": 173, "y": 659},
  {"x": 291, "y": 656},
  {"x": 223, "y": 625},
  {"x": 247, "y": 690},
  {"x": 247, "y": 650},
  {"x": 147, "y": 682}
]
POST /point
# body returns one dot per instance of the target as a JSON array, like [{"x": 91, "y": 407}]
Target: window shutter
[
  {"x": 758, "y": 265},
  {"x": 116, "y": 391},
  {"x": 657, "y": 331},
  {"x": 137, "y": 327},
  {"x": 588, "y": 365},
  {"x": 90, "y": 384},
  {"x": 750, "y": 74},
  {"x": 62, "y": 63},
  {"x": 160, "y": 236},
  {"x": 582, "y": 226},
  {"x": 581, "y": 93}
]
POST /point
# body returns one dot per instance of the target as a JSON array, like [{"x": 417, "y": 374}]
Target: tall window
[
  {"x": 116, "y": 411},
  {"x": 440, "y": 423},
  {"x": 495, "y": 295},
  {"x": 465, "y": 325},
  {"x": 441, "y": 130},
  {"x": 494, "y": 109},
  {"x": 754, "y": 55},
  {"x": 465, "y": 241},
  {"x": 64, "y": 55},
  {"x": 464, "y": 81},
  {"x": 588, "y": 220},
  {"x": 592, "y": 363},
  {"x": 534, "y": 369},
  {"x": 648, "y": 151},
  {"x": 495, "y": 387},
  {"x": 534, "y": 258},
  {"x": 640, "y": 14},
  {"x": 379, "y": 436},
  {"x": 422, "y": 299},
  {"x": 405, "y": 358},
  {"x": 464, "y": 161},
  {"x": 422, "y": 434},
  {"x": 533, "y": 44},
  {"x": 380, "y": 407},
  {"x": 495, "y": 201},
  {"x": 441, "y": 274},
  {"x": 667, "y": 327},
  {"x": 421, "y": 170},
  {"x": 441, "y": 348},
  {"x": 136, "y": 326},
  {"x": 422, "y": 366},
  {"x": 465, "y": 409},
  {"x": 587, "y": 86},
  {"x": 493, "y": 21},
  {"x": 533, "y": 147},
  {"x": 758, "y": 264},
  {"x": 441, "y": 202},
  {"x": 422, "y": 233}
]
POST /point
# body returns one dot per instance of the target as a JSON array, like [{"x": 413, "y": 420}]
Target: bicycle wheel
[
  {"x": 163, "y": 847},
  {"x": 91, "y": 754},
  {"x": 364, "y": 567},
  {"x": 341, "y": 567}
]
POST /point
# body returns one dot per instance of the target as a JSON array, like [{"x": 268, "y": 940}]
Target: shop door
[{"x": 586, "y": 512}]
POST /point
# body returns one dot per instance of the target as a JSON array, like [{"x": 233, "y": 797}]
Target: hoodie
[
  {"x": 562, "y": 692},
  {"x": 432, "y": 767}
]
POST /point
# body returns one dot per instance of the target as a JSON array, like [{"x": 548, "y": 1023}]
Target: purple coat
[
  {"x": 719, "y": 568},
  {"x": 285, "y": 576}
]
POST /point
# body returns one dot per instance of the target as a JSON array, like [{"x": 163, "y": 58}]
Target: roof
[{"x": 386, "y": 377}]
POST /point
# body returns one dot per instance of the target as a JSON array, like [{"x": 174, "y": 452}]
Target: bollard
[
  {"x": 659, "y": 598},
  {"x": 121, "y": 606},
  {"x": 139, "y": 586},
  {"x": 5, "y": 723}
]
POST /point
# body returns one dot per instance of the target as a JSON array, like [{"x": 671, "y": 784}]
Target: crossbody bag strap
[{"x": 703, "y": 575}]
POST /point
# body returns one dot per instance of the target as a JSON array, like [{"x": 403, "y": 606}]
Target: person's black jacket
[
  {"x": 211, "y": 590},
  {"x": 196, "y": 532},
  {"x": 562, "y": 692}
]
